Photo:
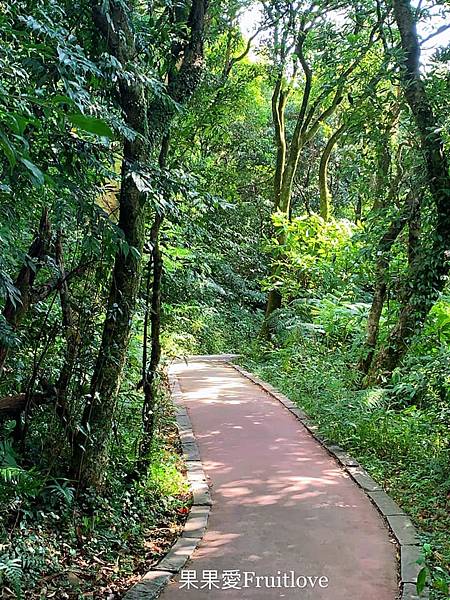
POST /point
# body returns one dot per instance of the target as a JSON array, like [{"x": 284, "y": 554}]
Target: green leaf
[
  {"x": 91, "y": 125},
  {"x": 18, "y": 123},
  {"x": 38, "y": 175},
  {"x": 421, "y": 580},
  {"x": 7, "y": 149},
  {"x": 61, "y": 99}
]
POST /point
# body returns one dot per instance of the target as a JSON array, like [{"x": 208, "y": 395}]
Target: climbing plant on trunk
[
  {"x": 429, "y": 267},
  {"x": 149, "y": 121}
]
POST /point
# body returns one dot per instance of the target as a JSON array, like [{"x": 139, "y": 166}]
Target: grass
[{"x": 404, "y": 449}]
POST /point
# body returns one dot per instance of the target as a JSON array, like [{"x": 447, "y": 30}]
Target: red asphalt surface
[{"x": 281, "y": 503}]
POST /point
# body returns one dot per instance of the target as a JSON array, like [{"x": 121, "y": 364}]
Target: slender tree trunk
[
  {"x": 379, "y": 295},
  {"x": 152, "y": 314},
  {"x": 14, "y": 312},
  {"x": 325, "y": 194},
  {"x": 429, "y": 269},
  {"x": 151, "y": 370},
  {"x": 91, "y": 449},
  {"x": 181, "y": 85},
  {"x": 384, "y": 181},
  {"x": 279, "y": 100}
]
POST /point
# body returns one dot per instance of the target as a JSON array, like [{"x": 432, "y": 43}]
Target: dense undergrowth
[{"x": 57, "y": 542}]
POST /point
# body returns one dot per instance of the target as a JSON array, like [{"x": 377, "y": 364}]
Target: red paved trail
[{"x": 280, "y": 502}]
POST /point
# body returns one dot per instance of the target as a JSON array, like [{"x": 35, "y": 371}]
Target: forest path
[{"x": 281, "y": 503}]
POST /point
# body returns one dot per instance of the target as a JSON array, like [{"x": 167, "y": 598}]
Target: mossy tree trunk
[
  {"x": 91, "y": 443},
  {"x": 90, "y": 455},
  {"x": 429, "y": 267},
  {"x": 380, "y": 290},
  {"x": 325, "y": 194}
]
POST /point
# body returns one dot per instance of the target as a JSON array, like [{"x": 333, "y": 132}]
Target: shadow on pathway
[{"x": 280, "y": 503}]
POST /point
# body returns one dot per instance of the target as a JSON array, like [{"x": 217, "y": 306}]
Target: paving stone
[
  {"x": 197, "y": 521},
  {"x": 179, "y": 554},
  {"x": 310, "y": 426},
  {"x": 363, "y": 479},
  {"x": 194, "y": 467},
  {"x": 196, "y": 477},
  {"x": 149, "y": 587},
  {"x": 187, "y": 435},
  {"x": 268, "y": 387},
  {"x": 199, "y": 486},
  {"x": 346, "y": 459},
  {"x": 403, "y": 529},
  {"x": 190, "y": 450},
  {"x": 341, "y": 455},
  {"x": 183, "y": 421},
  {"x": 409, "y": 568},
  {"x": 284, "y": 400},
  {"x": 410, "y": 593},
  {"x": 385, "y": 504},
  {"x": 201, "y": 495},
  {"x": 298, "y": 413}
]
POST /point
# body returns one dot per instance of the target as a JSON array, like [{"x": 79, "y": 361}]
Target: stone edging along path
[{"x": 154, "y": 581}]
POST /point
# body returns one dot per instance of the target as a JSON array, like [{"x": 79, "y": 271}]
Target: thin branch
[{"x": 438, "y": 31}]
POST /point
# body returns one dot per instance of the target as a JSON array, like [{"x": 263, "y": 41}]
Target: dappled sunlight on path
[{"x": 280, "y": 502}]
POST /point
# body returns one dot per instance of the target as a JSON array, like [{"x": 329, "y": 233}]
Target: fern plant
[{"x": 11, "y": 574}]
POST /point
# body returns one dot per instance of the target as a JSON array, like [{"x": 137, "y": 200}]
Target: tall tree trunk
[
  {"x": 91, "y": 447},
  {"x": 429, "y": 269},
  {"x": 325, "y": 194},
  {"x": 152, "y": 317},
  {"x": 279, "y": 100},
  {"x": 90, "y": 454},
  {"x": 181, "y": 86}
]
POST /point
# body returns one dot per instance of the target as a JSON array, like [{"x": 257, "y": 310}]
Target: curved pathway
[{"x": 282, "y": 507}]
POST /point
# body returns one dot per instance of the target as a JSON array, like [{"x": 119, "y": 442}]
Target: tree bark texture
[
  {"x": 325, "y": 194},
  {"x": 429, "y": 269},
  {"x": 90, "y": 454}
]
